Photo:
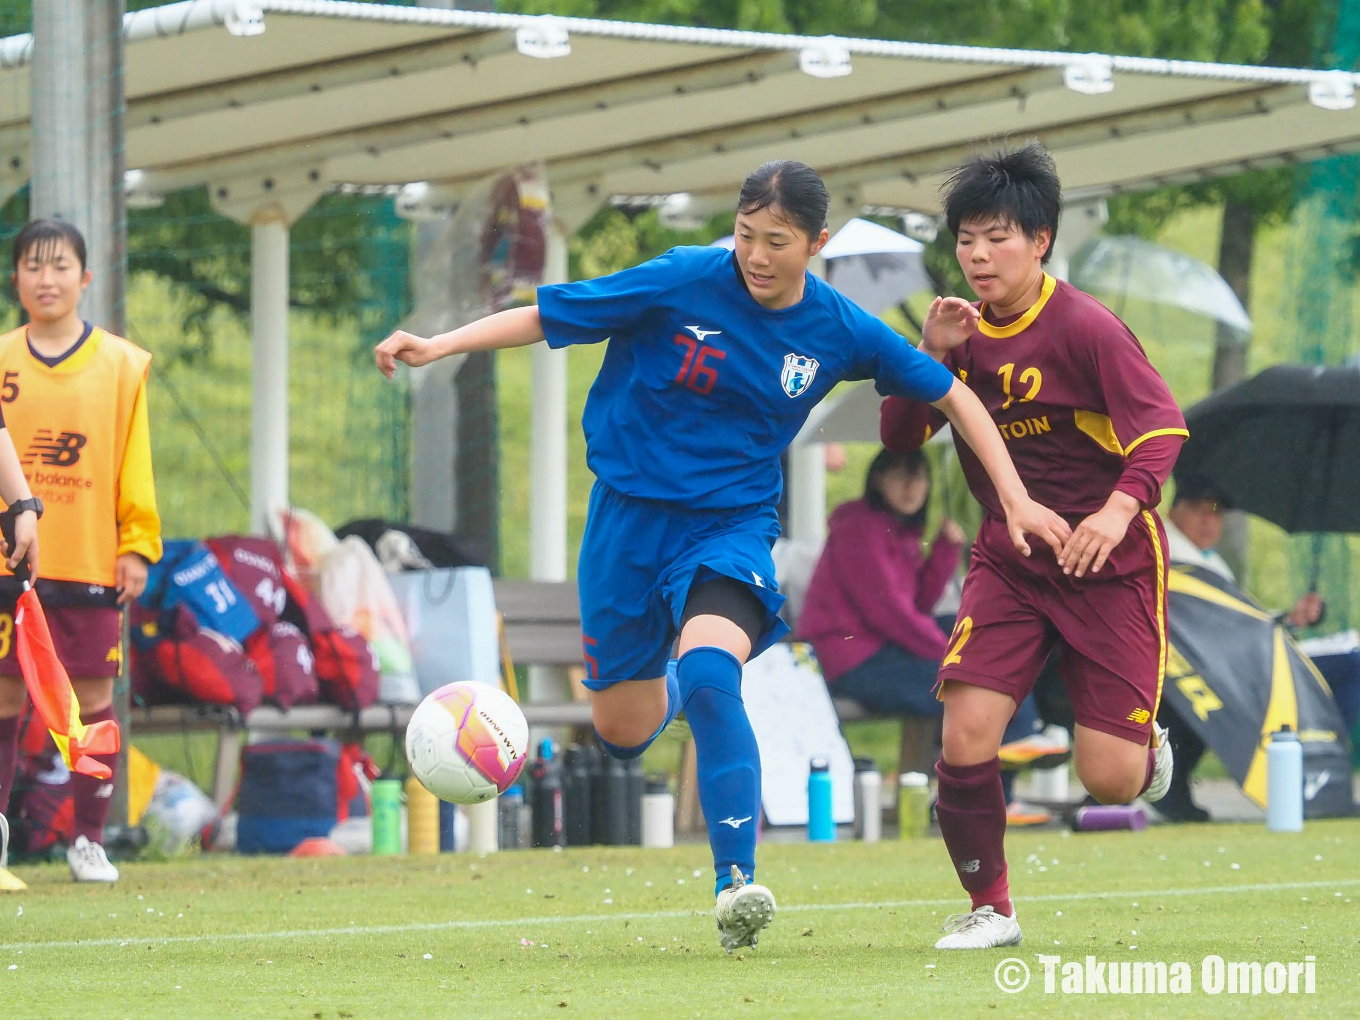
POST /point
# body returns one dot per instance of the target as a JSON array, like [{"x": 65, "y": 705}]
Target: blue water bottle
[
  {"x": 1284, "y": 781},
  {"x": 821, "y": 827}
]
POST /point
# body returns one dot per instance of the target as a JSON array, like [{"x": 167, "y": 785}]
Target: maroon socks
[
  {"x": 9, "y": 755},
  {"x": 90, "y": 797},
  {"x": 971, "y": 810}
]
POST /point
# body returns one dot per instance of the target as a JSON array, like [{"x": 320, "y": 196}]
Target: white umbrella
[
  {"x": 875, "y": 267},
  {"x": 1130, "y": 267}
]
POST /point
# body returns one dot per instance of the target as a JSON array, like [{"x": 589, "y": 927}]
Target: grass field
[{"x": 626, "y": 933}]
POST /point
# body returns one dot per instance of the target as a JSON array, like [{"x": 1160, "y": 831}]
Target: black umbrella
[
  {"x": 1283, "y": 445},
  {"x": 1234, "y": 676}
]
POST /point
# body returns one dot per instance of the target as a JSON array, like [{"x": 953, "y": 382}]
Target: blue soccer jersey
[{"x": 702, "y": 388}]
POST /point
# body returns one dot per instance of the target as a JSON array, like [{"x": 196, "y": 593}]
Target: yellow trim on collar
[{"x": 1000, "y": 332}]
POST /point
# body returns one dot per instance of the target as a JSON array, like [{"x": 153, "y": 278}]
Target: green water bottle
[
  {"x": 386, "y": 801},
  {"x": 913, "y": 805}
]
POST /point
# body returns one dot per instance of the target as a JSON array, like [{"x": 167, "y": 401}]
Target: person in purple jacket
[{"x": 868, "y": 607}]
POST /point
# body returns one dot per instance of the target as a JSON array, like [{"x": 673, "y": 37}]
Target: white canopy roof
[{"x": 364, "y": 94}]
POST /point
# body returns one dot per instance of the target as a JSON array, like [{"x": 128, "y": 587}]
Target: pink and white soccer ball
[{"x": 467, "y": 742}]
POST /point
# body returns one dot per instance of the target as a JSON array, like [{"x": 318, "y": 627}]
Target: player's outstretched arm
[
  {"x": 514, "y": 327},
  {"x": 1023, "y": 516},
  {"x": 14, "y": 487}
]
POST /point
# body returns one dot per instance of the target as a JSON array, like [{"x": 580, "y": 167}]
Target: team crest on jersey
[{"x": 798, "y": 374}]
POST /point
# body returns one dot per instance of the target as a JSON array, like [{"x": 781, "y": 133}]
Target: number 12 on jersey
[{"x": 693, "y": 372}]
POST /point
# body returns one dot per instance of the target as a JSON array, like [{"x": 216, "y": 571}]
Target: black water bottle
[
  {"x": 576, "y": 794},
  {"x": 609, "y": 804},
  {"x": 637, "y": 789},
  {"x": 546, "y": 776}
]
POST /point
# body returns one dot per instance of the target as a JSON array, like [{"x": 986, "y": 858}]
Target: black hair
[
  {"x": 1019, "y": 188},
  {"x": 913, "y": 462},
  {"x": 1193, "y": 488},
  {"x": 43, "y": 236},
  {"x": 792, "y": 186}
]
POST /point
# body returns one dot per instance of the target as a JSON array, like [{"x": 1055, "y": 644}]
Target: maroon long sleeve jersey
[{"x": 1080, "y": 407}]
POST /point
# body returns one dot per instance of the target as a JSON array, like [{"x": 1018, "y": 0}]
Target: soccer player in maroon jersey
[{"x": 1094, "y": 432}]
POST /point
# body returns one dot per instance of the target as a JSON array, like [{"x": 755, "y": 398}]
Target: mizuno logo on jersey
[
  {"x": 61, "y": 451},
  {"x": 700, "y": 333},
  {"x": 798, "y": 374}
]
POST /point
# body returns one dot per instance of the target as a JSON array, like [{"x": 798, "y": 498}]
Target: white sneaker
[
  {"x": 982, "y": 928},
  {"x": 743, "y": 910},
  {"x": 88, "y": 862},
  {"x": 1164, "y": 765}
]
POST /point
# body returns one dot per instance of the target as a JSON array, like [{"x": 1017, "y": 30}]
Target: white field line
[{"x": 529, "y": 923}]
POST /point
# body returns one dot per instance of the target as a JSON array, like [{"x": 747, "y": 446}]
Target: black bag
[{"x": 441, "y": 548}]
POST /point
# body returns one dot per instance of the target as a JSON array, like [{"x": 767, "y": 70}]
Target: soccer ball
[{"x": 467, "y": 742}]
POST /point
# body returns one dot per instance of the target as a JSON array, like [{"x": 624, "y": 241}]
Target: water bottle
[
  {"x": 658, "y": 813},
  {"x": 422, "y": 812},
  {"x": 609, "y": 804},
  {"x": 484, "y": 827},
  {"x": 637, "y": 789},
  {"x": 1284, "y": 781},
  {"x": 546, "y": 776},
  {"x": 455, "y": 831},
  {"x": 511, "y": 806},
  {"x": 913, "y": 805},
  {"x": 448, "y": 827},
  {"x": 576, "y": 780},
  {"x": 386, "y": 805},
  {"x": 868, "y": 801},
  {"x": 821, "y": 828},
  {"x": 1107, "y": 817}
]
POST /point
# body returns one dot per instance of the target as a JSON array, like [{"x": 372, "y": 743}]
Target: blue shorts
[{"x": 639, "y": 559}]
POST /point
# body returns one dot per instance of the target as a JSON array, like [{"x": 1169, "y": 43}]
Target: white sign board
[{"x": 794, "y": 722}]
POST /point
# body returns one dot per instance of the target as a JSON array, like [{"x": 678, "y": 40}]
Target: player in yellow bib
[{"x": 74, "y": 398}]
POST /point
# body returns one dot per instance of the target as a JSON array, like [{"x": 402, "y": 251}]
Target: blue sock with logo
[
  {"x": 728, "y": 759},
  {"x": 672, "y": 709}
]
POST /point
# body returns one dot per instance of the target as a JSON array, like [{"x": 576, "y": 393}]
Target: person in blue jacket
[{"x": 714, "y": 360}]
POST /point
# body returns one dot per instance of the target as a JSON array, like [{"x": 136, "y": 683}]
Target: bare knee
[
  {"x": 628, "y": 714},
  {"x": 624, "y": 731},
  {"x": 967, "y": 742},
  {"x": 1111, "y": 787},
  {"x": 974, "y": 720},
  {"x": 12, "y": 695},
  {"x": 1112, "y": 769},
  {"x": 94, "y": 694}
]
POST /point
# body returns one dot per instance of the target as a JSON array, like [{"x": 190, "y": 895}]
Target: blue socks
[
  {"x": 672, "y": 709},
  {"x": 728, "y": 759}
]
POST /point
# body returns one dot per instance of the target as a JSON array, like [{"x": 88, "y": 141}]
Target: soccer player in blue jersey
[{"x": 715, "y": 359}]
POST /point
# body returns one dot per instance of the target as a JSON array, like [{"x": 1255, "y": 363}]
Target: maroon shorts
[
  {"x": 88, "y": 640},
  {"x": 1112, "y": 626}
]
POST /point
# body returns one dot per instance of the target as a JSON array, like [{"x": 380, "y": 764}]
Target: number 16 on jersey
[{"x": 693, "y": 373}]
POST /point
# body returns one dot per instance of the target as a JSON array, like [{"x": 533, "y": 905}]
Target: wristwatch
[{"x": 20, "y": 506}]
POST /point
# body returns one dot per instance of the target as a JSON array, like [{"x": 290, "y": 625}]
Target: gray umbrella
[{"x": 1130, "y": 267}]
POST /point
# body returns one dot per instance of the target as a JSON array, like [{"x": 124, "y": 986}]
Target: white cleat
[
  {"x": 982, "y": 928},
  {"x": 1164, "y": 766},
  {"x": 743, "y": 910},
  {"x": 88, "y": 862}
]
